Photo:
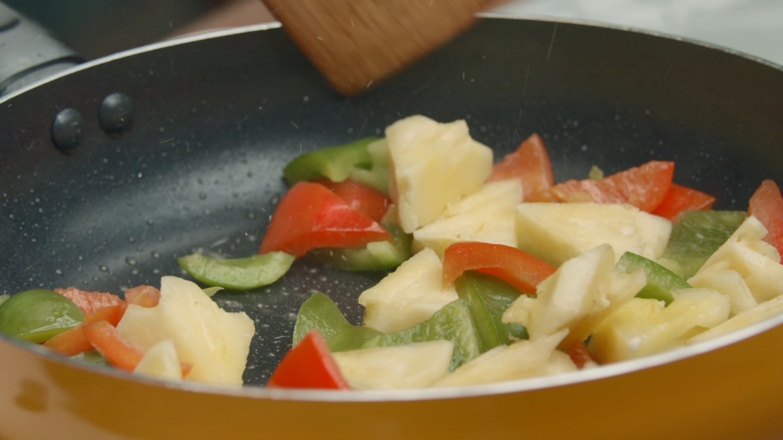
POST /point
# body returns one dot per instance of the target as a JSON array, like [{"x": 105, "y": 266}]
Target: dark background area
[{"x": 96, "y": 28}]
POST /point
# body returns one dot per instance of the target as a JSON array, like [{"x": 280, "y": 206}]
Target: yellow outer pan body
[{"x": 735, "y": 391}]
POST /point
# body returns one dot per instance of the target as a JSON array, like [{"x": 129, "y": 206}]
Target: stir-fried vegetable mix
[{"x": 495, "y": 272}]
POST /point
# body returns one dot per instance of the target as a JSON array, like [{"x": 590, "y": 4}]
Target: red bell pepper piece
[
  {"x": 360, "y": 197},
  {"x": 530, "y": 164},
  {"x": 75, "y": 341},
  {"x": 310, "y": 216},
  {"x": 644, "y": 187},
  {"x": 90, "y": 301},
  {"x": 580, "y": 354},
  {"x": 118, "y": 353},
  {"x": 766, "y": 205},
  {"x": 105, "y": 338},
  {"x": 510, "y": 264},
  {"x": 680, "y": 198},
  {"x": 308, "y": 365},
  {"x": 144, "y": 296}
]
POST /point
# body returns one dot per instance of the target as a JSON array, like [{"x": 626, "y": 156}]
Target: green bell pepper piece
[
  {"x": 4, "y": 297},
  {"x": 453, "y": 322},
  {"x": 37, "y": 315},
  {"x": 489, "y": 297},
  {"x": 380, "y": 255},
  {"x": 238, "y": 273},
  {"x": 321, "y": 313},
  {"x": 660, "y": 280},
  {"x": 377, "y": 176},
  {"x": 91, "y": 357},
  {"x": 334, "y": 163},
  {"x": 695, "y": 236}
]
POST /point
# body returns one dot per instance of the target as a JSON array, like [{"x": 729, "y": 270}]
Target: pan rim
[
  {"x": 276, "y": 25},
  {"x": 379, "y": 396},
  {"x": 517, "y": 386}
]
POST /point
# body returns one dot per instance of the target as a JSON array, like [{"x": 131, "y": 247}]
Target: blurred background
[{"x": 100, "y": 27}]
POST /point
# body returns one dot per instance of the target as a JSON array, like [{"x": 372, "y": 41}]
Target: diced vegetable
[
  {"x": 238, "y": 273},
  {"x": 320, "y": 313},
  {"x": 519, "y": 360},
  {"x": 595, "y": 173},
  {"x": 489, "y": 297},
  {"x": 416, "y": 365},
  {"x": 310, "y": 216},
  {"x": 108, "y": 342},
  {"x": 379, "y": 255},
  {"x": 695, "y": 236},
  {"x": 90, "y": 301},
  {"x": 680, "y": 198},
  {"x": 766, "y": 204},
  {"x": 485, "y": 216},
  {"x": 409, "y": 296},
  {"x": 530, "y": 164},
  {"x": 378, "y": 175},
  {"x": 746, "y": 318},
  {"x": 308, "y": 365},
  {"x": 160, "y": 362},
  {"x": 359, "y": 196},
  {"x": 37, "y": 315},
  {"x": 334, "y": 163},
  {"x": 581, "y": 294},
  {"x": 644, "y": 326},
  {"x": 580, "y": 355},
  {"x": 144, "y": 296},
  {"x": 644, "y": 187},
  {"x": 661, "y": 282},
  {"x": 515, "y": 267},
  {"x": 90, "y": 357},
  {"x": 453, "y": 322},
  {"x": 214, "y": 341},
  {"x": 556, "y": 232},
  {"x": 728, "y": 282},
  {"x": 75, "y": 341},
  {"x": 757, "y": 261},
  {"x": 432, "y": 165}
]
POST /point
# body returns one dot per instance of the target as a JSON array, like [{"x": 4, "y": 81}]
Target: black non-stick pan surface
[{"x": 217, "y": 118}]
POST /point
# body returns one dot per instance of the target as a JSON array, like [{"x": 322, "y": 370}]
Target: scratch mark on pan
[
  {"x": 415, "y": 92},
  {"x": 243, "y": 119},
  {"x": 516, "y": 127},
  {"x": 667, "y": 72},
  {"x": 294, "y": 124},
  {"x": 166, "y": 141},
  {"x": 344, "y": 105},
  {"x": 524, "y": 88},
  {"x": 358, "y": 135},
  {"x": 552, "y": 43},
  {"x": 505, "y": 56}
]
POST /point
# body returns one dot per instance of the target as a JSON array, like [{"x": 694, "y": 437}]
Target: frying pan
[{"x": 217, "y": 116}]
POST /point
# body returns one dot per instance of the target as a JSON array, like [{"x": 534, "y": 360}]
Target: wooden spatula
[{"x": 358, "y": 43}]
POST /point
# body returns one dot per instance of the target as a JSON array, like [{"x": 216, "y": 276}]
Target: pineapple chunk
[
  {"x": 556, "y": 232},
  {"x": 645, "y": 326},
  {"x": 432, "y": 165},
  {"x": 214, "y": 341},
  {"x": 519, "y": 360},
  {"x": 161, "y": 362},
  {"x": 757, "y": 261},
  {"x": 581, "y": 294},
  {"x": 416, "y": 365},
  {"x": 759, "y": 313},
  {"x": 486, "y": 216},
  {"x": 728, "y": 282},
  {"x": 408, "y": 296}
]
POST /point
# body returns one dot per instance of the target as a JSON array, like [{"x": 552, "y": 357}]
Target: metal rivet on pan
[
  {"x": 67, "y": 129},
  {"x": 116, "y": 113}
]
